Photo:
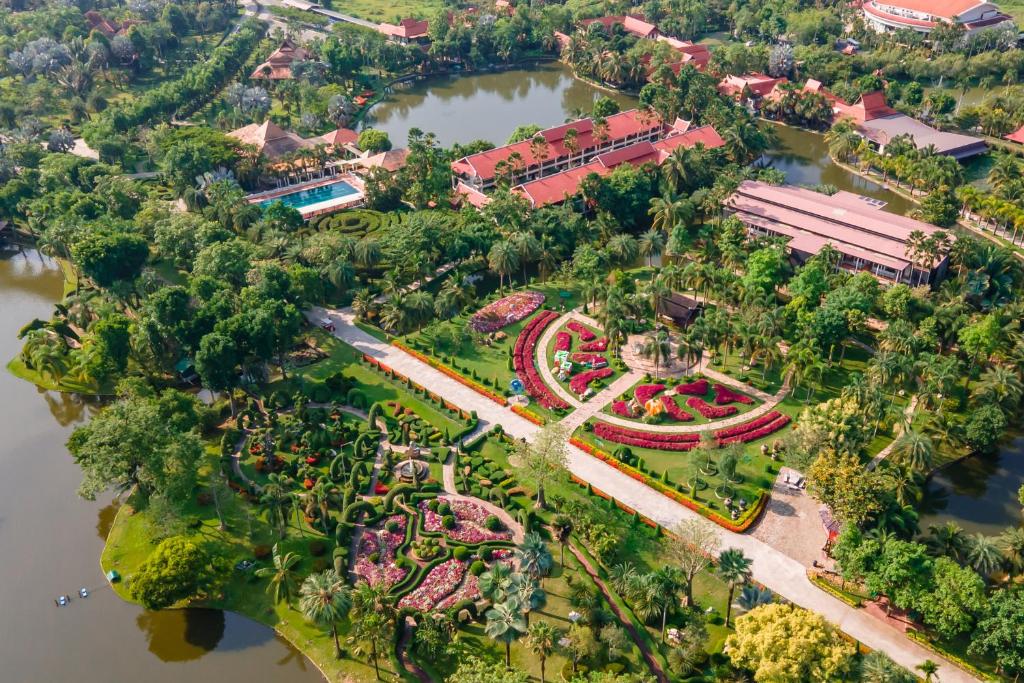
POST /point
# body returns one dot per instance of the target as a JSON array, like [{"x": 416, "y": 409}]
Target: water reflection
[
  {"x": 105, "y": 518},
  {"x": 978, "y": 493},
  {"x": 181, "y": 635}
]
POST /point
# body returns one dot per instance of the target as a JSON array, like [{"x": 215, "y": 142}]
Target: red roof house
[
  {"x": 407, "y": 30},
  {"x": 758, "y": 85},
  {"x": 631, "y": 23},
  {"x": 278, "y": 66},
  {"x": 1016, "y": 136}
]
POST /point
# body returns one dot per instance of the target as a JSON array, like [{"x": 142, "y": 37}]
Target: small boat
[
  {"x": 83, "y": 593},
  {"x": 63, "y": 601}
]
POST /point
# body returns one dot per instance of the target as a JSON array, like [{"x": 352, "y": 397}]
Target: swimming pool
[{"x": 303, "y": 199}]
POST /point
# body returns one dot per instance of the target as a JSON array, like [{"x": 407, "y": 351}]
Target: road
[{"x": 782, "y": 574}]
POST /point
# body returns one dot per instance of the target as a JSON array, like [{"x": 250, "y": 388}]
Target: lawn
[{"x": 391, "y": 12}]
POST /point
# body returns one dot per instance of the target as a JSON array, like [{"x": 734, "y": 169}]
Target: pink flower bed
[
  {"x": 588, "y": 359},
  {"x": 673, "y": 410},
  {"x": 469, "y": 590},
  {"x": 469, "y": 522},
  {"x": 755, "y": 429},
  {"x": 522, "y": 361},
  {"x": 596, "y": 345},
  {"x": 621, "y": 408},
  {"x": 563, "y": 341},
  {"x": 698, "y": 388},
  {"x": 506, "y": 311},
  {"x": 645, "y": 392},
  {"x": 386, "y": 544},
  {"x": 584, "y": 332},
  {"x": 662, "y": 441},
  {"x": 709, "y": 411},
  {"x": 438, "y": 584},
  {"x": 724, "y": 395},
  {"x": 578, "y": 384}
]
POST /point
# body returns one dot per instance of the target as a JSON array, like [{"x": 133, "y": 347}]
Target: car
[{"x": 326, "y": 323}]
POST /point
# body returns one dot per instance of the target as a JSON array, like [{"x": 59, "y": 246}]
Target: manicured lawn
[{"x": 391, "y": 12}]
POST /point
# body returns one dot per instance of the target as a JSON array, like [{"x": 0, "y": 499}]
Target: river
[{"x": 51, "y": 542}]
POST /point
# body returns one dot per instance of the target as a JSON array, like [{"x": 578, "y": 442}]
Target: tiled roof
[
  {"x": 947, "y": 9},
  {"x": 758, "y": 84},
  {"x": 406, "y": 28},
  {"x": 270, "y": 139},
  {"x": 632, "y": 23},
  {"x": 341, "y": 136},
  {"x": 279, "y": 64},
  {"x": 1017, "y": 135}
]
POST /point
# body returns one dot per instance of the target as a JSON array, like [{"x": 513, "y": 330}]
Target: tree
[
  {"x": 541, "y": 639},
  {"x": 562, "y": 526},
  {"x": 1000, "y": 630},
  {"x": 474, "y": 670},
  {"x": 876, "y": 667},
  {"x": 281, "y": 575},
  {"x": 902, "y": 573},
  {"x": 146, "y": 441},
  {"x": 107, "y": 257},
  {"x": 692, "y": 545},
  {"x": 543, "y": 460},
  {"x": 734, "y": 568},
  {"x": 534, "y": 557},
  {"x": 374, "y": 141},
  {"x": 503, "y": 259},
  {"x": 216, "y": 363},
  {"x": 957, "y": 596},
  {"x": 325, "y": 600},
  {"x": 985, "y": 426},
  {"x": 505, "y": 624},
  {"x": 652, "y": 243},
  {"x": 840, "y": 480},
  {"x": 786, "y": 643},
  {"x": 579, "y": 643},
  {"x": 177, "y": 569},
  {"x": 929, "y": 669},
  {"x": 915, "y": 450}
]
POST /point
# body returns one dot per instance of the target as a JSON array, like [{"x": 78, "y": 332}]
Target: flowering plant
[
  {"x": 563, "y": 341},
  {"x": 506, "y": 311},
  {"x": 755, "y": 429},
  {"x": 709, "y": 411},
  {"x": 645, "y": 392},
  {"x": 585, "y": 334},
  {"x": 382, "y": 544},
  {"x": 596, "y": 345},
  {"x": 664, "y": 441},
  {"x": 439, "y": 583},
  {"x": 724, "y": 395},
  {"x": 470, "y": 520},
  {"x": 698, "y": 388},
  {"x": 673, "y": 410},
  {"x": 578, "y": 384},
  {"x": 522, "y": 361}
]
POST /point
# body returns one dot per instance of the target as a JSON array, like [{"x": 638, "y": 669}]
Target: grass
[
  {"x": 1015, "y": 8},
  {"x": 392, "y": 12},
  {"x": 549, "y": 356}
]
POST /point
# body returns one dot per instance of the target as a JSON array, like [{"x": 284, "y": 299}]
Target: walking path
[
  {"x": 540, "y": 359},
  {"x": 884, "y": 453},
  {"x": 451, "y": 491},
  {"x": 772, "y": 568}
]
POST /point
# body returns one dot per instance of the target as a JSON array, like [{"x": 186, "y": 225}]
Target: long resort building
[
  {"x": 869, "y": 238},
  {"x": 548, "y": 168},
  {"x": 924, "y": 16}
]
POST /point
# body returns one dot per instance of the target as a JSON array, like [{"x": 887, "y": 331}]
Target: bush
[
  {"x": 317, "y": 548},
  {"x": 319, "y": 564},
  {"x": 392, "y": 526},
  {"x": 477, "y": 568},
  {"x": 433, "y": 505},
  {"x": 492, "y": 523},
  {"x": 448, "y": 522},
  {"x": 444, "y": 509},
  {"x": 262, "y": 552},
  {"x": 461, "y": 552}
]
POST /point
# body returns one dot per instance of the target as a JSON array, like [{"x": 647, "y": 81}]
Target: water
[
  {"x": 486, "y": 106},
  {"x": 52, "y": 539},
  {"x": 306, "y": 198},
  {"x": 803, "y": 156},
  {"x": 978, "y": 493}
]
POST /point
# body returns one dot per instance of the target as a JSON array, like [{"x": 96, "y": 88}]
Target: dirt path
[
  {"x": 402, "y": 651},
  {"x": 652, "y": 661}
]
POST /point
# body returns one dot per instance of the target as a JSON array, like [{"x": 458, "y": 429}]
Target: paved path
[
  {"x": 772, "y": 568},
  {"x": 451, "y": 492},
  {"x": 540, "y": 359}
]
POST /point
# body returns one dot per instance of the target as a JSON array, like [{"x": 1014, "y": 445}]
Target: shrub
[
  {"x": 433, "y": 505},
  {"x": 262, "y": 552},
  {"x": 461, "y": 552},
  {"x": 477, "y": 568},
  {"x": 487, "y": 554},
  {"x": 319, "y": 564},
  {"x": 444, "y": 509},
  {"x": 374, "y": 557},
  {"x": 392, "y": 526},
  {"x": 448, "y": 522},
  {"x": 492, "y": 523}
]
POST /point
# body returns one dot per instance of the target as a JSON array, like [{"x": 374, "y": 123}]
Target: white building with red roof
[
  {"x": 925, "y": 15},
  {"x": 868, "y": 238},
  {"x": 748, "y": 88},
  {"x": 406, "y": 31},
  {"x": 631, "y": 23}
]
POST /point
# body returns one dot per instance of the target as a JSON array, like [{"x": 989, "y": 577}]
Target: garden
[
  {"x": 688, "y": 400},
  {"x": 579, "y": 359}
]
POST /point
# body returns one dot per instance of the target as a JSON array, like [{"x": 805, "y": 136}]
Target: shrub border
[{"x": 437, "y": 365}]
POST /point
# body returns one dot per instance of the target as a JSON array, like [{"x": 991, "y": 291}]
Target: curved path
[
  {"x": 452, "y": 491},
  {"x": 540, "y": 359},
  {"x": 772, "y": 568}
]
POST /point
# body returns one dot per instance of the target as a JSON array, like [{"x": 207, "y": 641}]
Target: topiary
[
  {"x": 448, "y": 522},
  {"x": 461, "y": 552},
  {"x": 492, "y": 523},
  {"x": 477, "y": 568}
]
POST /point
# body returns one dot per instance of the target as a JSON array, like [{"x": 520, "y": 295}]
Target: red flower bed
[
  {"x": 584, "y": 332},
  {"x": 661, "y": 441},
  {"x": 621, "y": 408},
  {"x": 596, "y": 345},
  {"x": 527, "y": 415},
  {"x": 755, "y": 429},
  {"x": 698, "y": 388},
  {"x": 522, "y": 361},
  {"x": 645, "y": 392},
  {"x": 579, "y": 383},
  {"x": 709, "y": 411},
  {"x": 589, "y": 359},
  {"x": 673, "y": 410},
  {"x": 724, "y": 395},
  {"x": 502, "y": 312},
  {"x": 563, "y": 341}
]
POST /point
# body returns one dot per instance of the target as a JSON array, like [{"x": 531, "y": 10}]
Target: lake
[{"x": 52, "y": 539}]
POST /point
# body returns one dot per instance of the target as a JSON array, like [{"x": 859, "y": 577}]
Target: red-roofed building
[
  {"x": 108, "y": 27},
  {"x": 748, "y": 88},
  {"x": 924, "y": 15},
  {"x": 406, "y": 31},
  {"x": 693, "y": 54},
  {"x": 559, "y": 187},
  {"x": 868, "y": 238},
  {"x": 1016, "y": 136},
  {"x": 631, "y": 23},
  {"x": 278, "y": 66},
  {"x": 526, "y": 160}
]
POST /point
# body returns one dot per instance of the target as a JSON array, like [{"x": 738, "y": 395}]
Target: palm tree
[
  {"x": 541, "y": 639},
  {"x": 421, "y": 305},
  {"x": 325, "y": 600},
  {"x": 363, "y": 304},
  {"x": 529, "y": 596},
  {"x": 533, "y": 556},
  {"x": 274, "y": 499},
  {"x": 527, "y": 249},
  {"x": 373, "y": 617},
  {"x": 505, "y": 624},
  {"x": 1011, "y": 544},
  {"x": 495, "y": 582},
  {"x": 929, "y": 669},
  {"x": 657, "y": 347},
  {"x": 562, "y": 526},
  {"x": 915, "y": 450},
  {"x": 503, "y": 260},
  {"x": 734, "y": 568},
  {"x": 669, "y": 581},
  {"x": 282, "y": 576},
  {"x": 623, "y": 248},
  {"x": 948, "y": 540},
  {"x": 367, "y": 252},
  {"x": 652, "y": 242},
  {"x": 983, "y": 554}
]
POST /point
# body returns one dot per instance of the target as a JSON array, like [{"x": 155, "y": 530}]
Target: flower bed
[
  {"x": 698, "y": 388},
  {"x": 469, "y": 522},
  {"x": 563, "y": 341},
  {"x": 585, "y": 334},
  {"x": 758, "y": 428},
  {"x": 506, "y": 311},
  {"x": 522, "y": 362},
  {"x": 579, "y": 383},
  {"x": 621, "y": 408},
  {"x": 588, "y": 359},
  {"x": 674, "y": 411},
  {"x": 438, "y": 584},
  {"x": 529, "y": 415},
  {"x": 725, "y": 395},
  {"x": 645, "y": 392},
  {"x": 469, "y": 590},
  {"x": 709, "y": 411},
  {"x": 596, "y": 345},
  {"x": 385, "y": 543},
  {"x": 659, "y": 441}
]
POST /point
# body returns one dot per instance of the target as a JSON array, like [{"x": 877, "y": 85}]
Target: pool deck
[{"x": 318, "y": 208}]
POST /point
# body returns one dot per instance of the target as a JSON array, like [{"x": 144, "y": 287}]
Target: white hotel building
[{"x": 925, "y": 15}]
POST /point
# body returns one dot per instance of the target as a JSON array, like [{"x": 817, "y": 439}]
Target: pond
[
  {"x": 978, "y": 493},
  {"x": 52, "y": 540}
]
